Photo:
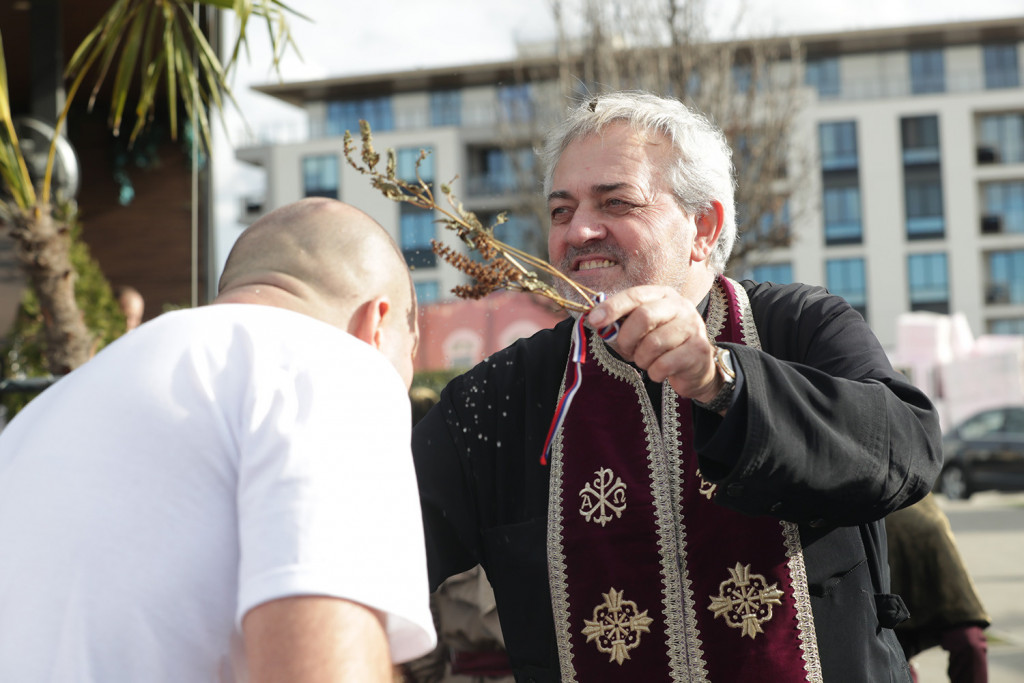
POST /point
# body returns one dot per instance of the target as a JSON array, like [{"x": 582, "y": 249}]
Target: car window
[
  {"x": 982, "y": 425},
  {"x": 1015, "y": 422}
]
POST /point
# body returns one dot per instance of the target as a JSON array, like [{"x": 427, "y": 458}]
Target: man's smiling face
[{"x": 614, "y": 221}]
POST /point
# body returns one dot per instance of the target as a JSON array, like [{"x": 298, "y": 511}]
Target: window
[
  {"x": 1002, "y": 69},
  {"x": 838, "y": 145},
  {"x": 846, "y": 278},
  {"x": 515, "y": 103},
  {"x": 923, "y": 199},
  {"x": 345, "y": 115},
  {"x": 520, "y": 231},
  {"x": 1005, "y": 277},
  {"x": 920, "y": 136},
  {"x": 427, "y": 291},
  {"x": 781, "y": 273},
  {"x": 406, "y": 160},
  {"x": 1004, "y": 207},
  {"x": 1001, "y": 138},
  {"x": 927, "y": 71},
  {"x": 842, "y": 215},
  {"x": 445, "y": 108},
  {"x": 495, "y": 171},
  {"x": 772, "y": 224},
  {"x": 417, "y": 229},
  {"x": 823, "y": 75},
  {"x": 320, "y": 176},
  {"x": 1006, "y": 326},
  {"x": 741, "y": 77},
  {"x": 928, "y": 278}
]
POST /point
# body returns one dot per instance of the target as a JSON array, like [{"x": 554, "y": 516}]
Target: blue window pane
[
  {"x": 1003, "y": 134},
  {"x": 427, "y": 291},
  {"x": 407, "y": 157},
  {"x": 1006, "y": 326},
  {"x": 842, "y": 215},
  {"x": 927, "y": 71},
  {"x": 1004, "y": 203},
  {"x": 838, "y": 145},
  {"x": 445, "y": 108},
  {"x": 417, "y": 230},
  {"x": 515, "y": 103},
  {"x": 1006, "y": 277},
  {"x": 1002, "y": 68},
  {"x": 345, "y": 115},
  {"x": 928, "y": 280},
  {"x": 920, "y": 140},
  {"x": 781, "y": 273},
  {"x": 846, "y": 278},
  {"x": 924, "y": 208},
  {"x": 320, "y": 176},
  {"x": 823, "y": 75}
]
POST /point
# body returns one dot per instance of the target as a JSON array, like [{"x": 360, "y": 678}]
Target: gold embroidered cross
[
  {"x": 616, "y": 626},
  {"x": 603, "y": 496},
  {"x": 745, "y": 601}
]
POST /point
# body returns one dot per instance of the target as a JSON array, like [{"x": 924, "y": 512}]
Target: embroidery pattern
[
  {"x": 663, "y": 461},
  {"x": 603, "y": 496},
  {"x": 707, "y": 489},
  {"x": 616, "y": 626},
  {"x": 745, "y": 601},
  {"x": 802, "y": 598}
]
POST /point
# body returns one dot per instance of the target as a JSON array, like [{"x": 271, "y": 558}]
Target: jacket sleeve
[{"x": 823, "y": 432}]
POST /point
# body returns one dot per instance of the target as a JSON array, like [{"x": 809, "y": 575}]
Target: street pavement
[{"x": 989, "y": 530}]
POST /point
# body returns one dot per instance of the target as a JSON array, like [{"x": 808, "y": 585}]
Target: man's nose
[{"x": 585, "y": 226}]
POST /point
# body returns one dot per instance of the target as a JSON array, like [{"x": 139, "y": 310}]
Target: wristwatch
[{"x": 726, "y": 370}]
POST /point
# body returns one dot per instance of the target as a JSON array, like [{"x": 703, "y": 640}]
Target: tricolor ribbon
[{"x": 578, "y": 356}]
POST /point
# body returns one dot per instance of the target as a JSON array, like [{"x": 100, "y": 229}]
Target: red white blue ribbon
[{"x": 578, "y": 356}]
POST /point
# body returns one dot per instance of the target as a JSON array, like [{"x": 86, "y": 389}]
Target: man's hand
[{"x": 663, "y": 334}]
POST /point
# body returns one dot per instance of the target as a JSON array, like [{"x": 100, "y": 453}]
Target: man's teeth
[{"x": 590, "y": 265}]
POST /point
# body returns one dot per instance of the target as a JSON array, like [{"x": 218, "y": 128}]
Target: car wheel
[{"x": 953, "y": 483}]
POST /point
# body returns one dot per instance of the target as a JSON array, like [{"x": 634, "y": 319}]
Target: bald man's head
[{"x": 331, "y": 261}]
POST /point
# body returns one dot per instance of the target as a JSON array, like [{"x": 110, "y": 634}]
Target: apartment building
[{"x": 914, "y": 201}]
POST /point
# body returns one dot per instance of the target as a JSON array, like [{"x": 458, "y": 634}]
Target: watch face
[{"x": 724, "y": 361}]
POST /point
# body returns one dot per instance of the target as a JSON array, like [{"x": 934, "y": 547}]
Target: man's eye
[
  {"x": 560, "y": 213},
  {"x": 618, "y": 204}
]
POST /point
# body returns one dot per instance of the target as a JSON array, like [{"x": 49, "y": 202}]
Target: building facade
[{"x": 912, "y": 141}]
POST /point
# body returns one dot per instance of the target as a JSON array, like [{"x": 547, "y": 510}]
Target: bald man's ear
[{"x": 368, "y": 321}]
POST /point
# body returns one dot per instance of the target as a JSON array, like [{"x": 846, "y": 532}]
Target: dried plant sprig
[{"x": 502, "y": 266}]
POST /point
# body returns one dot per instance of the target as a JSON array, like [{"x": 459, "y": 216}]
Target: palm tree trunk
[{"x": 44, "y": 249}]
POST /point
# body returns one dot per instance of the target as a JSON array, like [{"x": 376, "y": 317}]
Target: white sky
[{"x": 346, "y": 37}]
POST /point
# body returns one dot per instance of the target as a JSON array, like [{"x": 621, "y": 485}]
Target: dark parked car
[{"x": 984, "y": 452}]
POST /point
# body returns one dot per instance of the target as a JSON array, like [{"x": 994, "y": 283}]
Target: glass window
[
  {"x": 741, "y": 77},
  {"x": 823, "y": 75},
  {"x": 1004, "y": 207},
  {"x": 780, "y": 273},
  {"x": 920, "y": 139},
  {"x": 928, "y": 278},
  {"x": 345, "y": 115},
  {"x": 842, "y": 215},
  {"x": 495, "y": 171},
  {"x": 838, "y": 145},
  {"x": 1002, "y": 68},
  {"x": 985, "y": 424},
  {"x": 1001, "y": 139},
  {"x": 927, "y": 71},
  {"x": 407, "y": 158},
  {"x": 846, "y": 278},
  {"x": 445, "y": 108},
  {"x": 417, "y": 230},
  {"x": 427, "y": 291},
  {"x": 924, "y": 205},
  {"x": 515, "y": 103},
  {"x": 1005, "y": 277},
  {"x": 320, "y": 176},
  {"x": 1006, "y": 326}
]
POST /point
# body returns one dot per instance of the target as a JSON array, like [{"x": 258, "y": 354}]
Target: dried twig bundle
[{"x": 502, "y": 266}]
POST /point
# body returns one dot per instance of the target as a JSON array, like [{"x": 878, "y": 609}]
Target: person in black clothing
[{"x": 699, "y": 498}]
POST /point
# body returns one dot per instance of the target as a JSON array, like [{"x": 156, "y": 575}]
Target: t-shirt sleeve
[{"x": 327, "y": 500}]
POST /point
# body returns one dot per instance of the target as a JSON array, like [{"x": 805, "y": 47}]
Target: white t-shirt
[{"x": 206, "y": 462}]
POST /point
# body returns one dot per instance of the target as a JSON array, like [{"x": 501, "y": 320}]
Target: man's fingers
[{"x": 625, "y": 302}]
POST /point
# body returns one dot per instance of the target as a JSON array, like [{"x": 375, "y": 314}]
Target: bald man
[{"x": 227, "y": 493}]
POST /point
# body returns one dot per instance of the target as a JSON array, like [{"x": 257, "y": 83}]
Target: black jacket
[{"x": 823, "y": 432}]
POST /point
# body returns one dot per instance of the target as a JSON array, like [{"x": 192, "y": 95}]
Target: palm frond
[{"x": 13, "y": 170}]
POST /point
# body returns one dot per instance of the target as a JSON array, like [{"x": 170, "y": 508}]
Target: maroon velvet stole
[{"x": 650, "y": 579}]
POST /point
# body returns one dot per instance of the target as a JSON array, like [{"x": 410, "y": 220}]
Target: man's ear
[
  {"x": 368, "y": 321},
  {"x": 709, "y": 227}
]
